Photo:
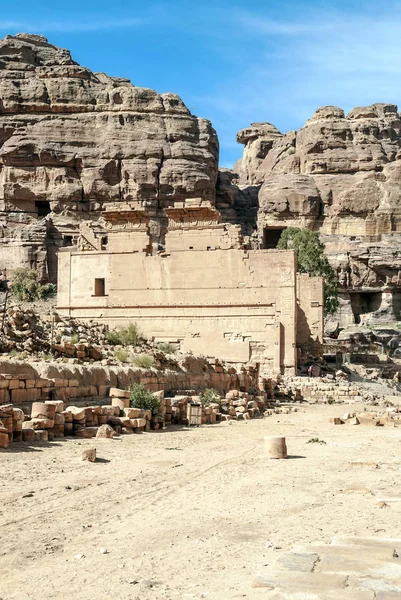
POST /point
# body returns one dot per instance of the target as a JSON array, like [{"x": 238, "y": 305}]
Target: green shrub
[
  {"x": 113, "y": 338},
  {"x": 315, "y": 441},
  {"x": 143, "y": 398},
  {"x": 167, "y": 348},
  {"x": 209, "y": 396},
  {"x": 74, "y": 338},
  {"x": 144, "y": 361},
  {"x": 122, "y": 355},
  {"x": 128, "y": 336},
  {"x": 49, "y": 290},
  {"x": 311, "y": 259},
  {"x": 26, "y": 287}
]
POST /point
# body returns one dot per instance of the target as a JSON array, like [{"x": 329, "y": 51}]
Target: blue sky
[{"x": 231, "y": 61}]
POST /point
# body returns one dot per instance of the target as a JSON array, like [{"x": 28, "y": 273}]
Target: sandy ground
[{"x": 188, "y": 513}]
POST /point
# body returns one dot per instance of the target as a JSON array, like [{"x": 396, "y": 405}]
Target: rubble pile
[
  {"x": 326, "y": 390},
  {"x": 236, "y": 405},
  {"x": 390, "y": 417},
  {"x": 51, "y": 419}
]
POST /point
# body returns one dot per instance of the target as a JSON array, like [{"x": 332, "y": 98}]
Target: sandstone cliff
[
  {"x": 339, "y": 175},
  {"x": 73, "y": 141}
]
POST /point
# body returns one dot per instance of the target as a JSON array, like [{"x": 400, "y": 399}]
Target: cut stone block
[
  {"x": 41, "y": 435},
  {"x": 117, "y": 393},
  {"x": 42, "y": 410},
  {"x": 132, "y": 413},
  {"x": 28, "y": 435},
  {"x": 86, "y": 432},
  {"x": 89, "y": 454},
  {"x": 121, "y": 403}
]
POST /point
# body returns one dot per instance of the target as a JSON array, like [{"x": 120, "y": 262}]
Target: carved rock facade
[{"x": 73, "y": 141}]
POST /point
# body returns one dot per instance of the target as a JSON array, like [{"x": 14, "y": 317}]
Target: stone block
[
  {"x": 41, "y": 435},
  {"x": 73, "y": 383},
  {"x": 86, "y": 432},
  {"x": 37, "y": 423},
  {"x": 13, "y": 384},
  {"x": 18, "y": 396},
  {"x": 89, "y": 454},
  {"x": 117, "y": 393},
  {"x": 18, "y": 414},
  {"x": 4, "y": 383},
  {"x": 43, "y": 410},
  {"x": 41, "y": 383},
  {"x": 120, "y": 403},
  {"x": 59, "y": 419},
  {"x": 4, "y": 441},
  {"x": 28, "y": 435},
  {"x": 77, "y": 413},
  {"x": 104, "y": 390},
  {"x": 105, "y": 431},
  {"x": 58, "y": 405},
  {"x": 132, "y": 413}
]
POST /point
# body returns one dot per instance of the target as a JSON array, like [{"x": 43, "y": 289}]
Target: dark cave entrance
[{"x": 271, "y": 236}]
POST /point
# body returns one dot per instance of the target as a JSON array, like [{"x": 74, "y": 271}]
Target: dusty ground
[{"x": 188, "y": 513}]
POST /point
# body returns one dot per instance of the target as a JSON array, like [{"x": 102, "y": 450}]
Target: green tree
[{"x": 311, "y": 259}]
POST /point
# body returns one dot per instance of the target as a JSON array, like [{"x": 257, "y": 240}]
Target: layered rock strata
[
  {"x": 339, "y": 175},
  {"x": 73, "y": 141}
]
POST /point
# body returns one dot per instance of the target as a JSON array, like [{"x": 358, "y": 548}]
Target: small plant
[
  {"x": 167, "y": 348},
  {"x": 144, "y": 361},
  {"x": 49, "y": 290},
  {"x": 128, "y": 336},
  {"x": 45, "y": 356},
  {"x": 315, "y": 441},
  {"x": 74, "y": 338},
  {"x": 113, "y": 338},
  {"x": 210, "y": 396},
  {"x": 13, "y": 353},
  {"x": 122, "y": 355},
  {"x": 143, "y": 398},
  {"x": 25, "y": 285},
  {"x": 330, "y": 400}
]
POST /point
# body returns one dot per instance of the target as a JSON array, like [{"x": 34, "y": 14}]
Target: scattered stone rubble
[
  {"x": 390, "y": 417},
  {"x": 326, "y": 390},
  {"x": 51, "y": 419}
]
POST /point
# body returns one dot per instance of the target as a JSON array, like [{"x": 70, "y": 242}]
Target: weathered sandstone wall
[
  {"x": 72, "y": 141},
  {"x": 339, "y": 175}
]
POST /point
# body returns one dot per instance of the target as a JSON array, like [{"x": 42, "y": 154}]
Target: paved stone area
[{"x": 349, "y": 568}]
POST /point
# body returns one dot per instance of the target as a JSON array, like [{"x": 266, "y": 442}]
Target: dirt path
[{"x": 188, "y": 513}]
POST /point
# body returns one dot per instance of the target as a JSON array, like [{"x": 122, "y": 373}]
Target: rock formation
[
  {"x": 339, "y": 175},
  {"x": 73, "y": 141}
]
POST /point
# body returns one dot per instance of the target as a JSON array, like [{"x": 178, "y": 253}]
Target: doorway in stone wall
[{"x": 271, "y": 236}]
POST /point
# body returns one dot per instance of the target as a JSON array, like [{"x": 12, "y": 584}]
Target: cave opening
[{"x": 271, "y": 236}]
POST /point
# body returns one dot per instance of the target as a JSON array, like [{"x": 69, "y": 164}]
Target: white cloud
[{"x": 71, "y": 26}]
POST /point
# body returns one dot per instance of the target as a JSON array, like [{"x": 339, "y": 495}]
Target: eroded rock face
[
  {"x": 339, "y": 175},
  {"x": 79, "y": 140}
]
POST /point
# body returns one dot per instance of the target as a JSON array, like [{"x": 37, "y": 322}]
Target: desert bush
[
  {"x": 122, "y": 355},
  {"x": 142, "y": 398},
  {"x": 167, "y": 348},
  {"x": 25, "y": 285},
  {"x": 210, "y": 396},
  {"x": 144, "y": 361},
  {"x": 74, "y": 338},
  {"x": 128, "y": 336}
]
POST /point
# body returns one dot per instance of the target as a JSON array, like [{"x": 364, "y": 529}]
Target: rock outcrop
[
  {"x": 339, "y": 175},
  {"x": 73, "y": 141}
]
